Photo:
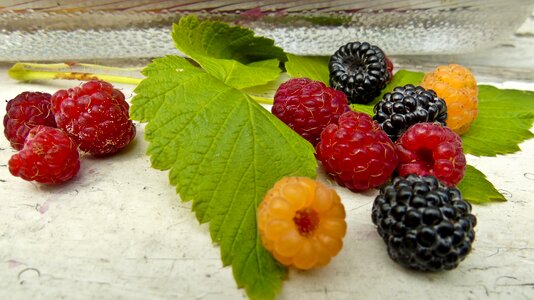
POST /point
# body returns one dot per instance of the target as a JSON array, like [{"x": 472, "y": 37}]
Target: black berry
[
  {"x": 406, "y": 106},
  {"x": 359, "y": 70},
  {"x": 425, "y": 225}
]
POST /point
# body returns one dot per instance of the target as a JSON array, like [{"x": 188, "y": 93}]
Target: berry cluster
[
  {"x": 421, "y": 216},
  {"x": 49, "y": 129}
]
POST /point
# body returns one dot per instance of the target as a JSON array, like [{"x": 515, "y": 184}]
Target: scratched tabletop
[{"x": 119, "y": 231}]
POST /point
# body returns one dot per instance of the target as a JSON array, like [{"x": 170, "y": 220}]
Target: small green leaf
[
  {"x": 477, "y": 189},
  {"x": 224, "y": 152},
  {"x": 151, "y": 93},
  {"x": 230, "y": 53},
  {"x": 504, "y": 120},
  {"x": 363, "y": 108},
  {"x": 239, "y": 76},
  {"x": 313, "y": 67},
  {"x": 401, "y": 78},
  {"x": 220, "y": 40}
]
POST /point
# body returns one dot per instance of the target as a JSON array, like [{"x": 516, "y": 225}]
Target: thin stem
[
  {"x": 35, "y": 71},
  {"x": 32, "y": 71}
]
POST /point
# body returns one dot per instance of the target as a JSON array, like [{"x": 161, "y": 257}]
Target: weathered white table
[{"x": 119, "y": 231}]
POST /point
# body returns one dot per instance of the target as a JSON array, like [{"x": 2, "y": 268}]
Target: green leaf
[
  {"x": 268, "y": 90},
  {"x": 224, "y": 152},
  {"x": 230, "y": 53},
  {"x": 363, "y": 108},
  {"x": 504, "y": 120},
  {"x": 220, "y": 40},
  {"x": 401, "y": 78},
  {"x": 313, "y": 67},
  {"x": 477, "y": 189},
  {"x": 240, "y": 76}
]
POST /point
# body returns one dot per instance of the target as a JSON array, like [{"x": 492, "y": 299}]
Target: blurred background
[{"x": 493, "y": 37}]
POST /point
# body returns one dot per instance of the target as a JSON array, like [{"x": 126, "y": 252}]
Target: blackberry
[
  {"x": 426, "y": 225},
  {"x": 359, "y": 70},
  {"x": 406, "y": 106}
]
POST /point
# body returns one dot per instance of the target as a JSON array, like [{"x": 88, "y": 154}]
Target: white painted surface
[{"x": 119, "y": 231}]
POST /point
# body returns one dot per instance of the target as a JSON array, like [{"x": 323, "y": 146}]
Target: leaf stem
[
  {"x": 85, "y": 72},
  {"x": 34, "y": 71}
]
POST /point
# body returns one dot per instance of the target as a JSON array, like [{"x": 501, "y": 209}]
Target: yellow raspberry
[
  {"x": 302, "y": 222},
  {"x": 458, "y": 87}
]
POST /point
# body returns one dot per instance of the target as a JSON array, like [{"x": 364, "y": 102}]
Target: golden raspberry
[
  {"x": 302, "y": 222},
  {"x": 458, "y": 87}
]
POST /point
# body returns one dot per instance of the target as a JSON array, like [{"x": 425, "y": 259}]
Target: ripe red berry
[
  {"x": 48, "y": 156},
  {"x": 357, "y": 153},
  {"x": 308, "y": 106},
  {"x": 95, "y": 116},
  {"x": 24, "y": 112},
  {"x": 431, "y": 149}
]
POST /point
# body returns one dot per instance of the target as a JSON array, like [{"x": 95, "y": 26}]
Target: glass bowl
[{"x": 80, "y": 30}]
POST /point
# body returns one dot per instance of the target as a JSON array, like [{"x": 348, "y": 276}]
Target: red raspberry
[
  {"x": 48, "y": 156},
  {"x": 95, "y": 116},
  {"x": 431, "y": 149},
  {"x": 357, "y": 153},
  {"x": 24, "y": 112},
  {"x": 308, "y": 106}
]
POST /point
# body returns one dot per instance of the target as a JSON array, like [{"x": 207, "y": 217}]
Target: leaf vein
[
  {"x": 193, "y": 116},
  {"x": 213, "y": 140},
  {"x": 238, "y": 187}
]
